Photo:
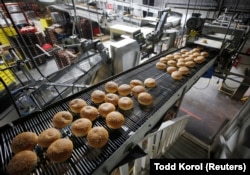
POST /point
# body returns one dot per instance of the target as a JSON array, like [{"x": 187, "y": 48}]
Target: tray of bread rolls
[{"x": 82, "y": 132}]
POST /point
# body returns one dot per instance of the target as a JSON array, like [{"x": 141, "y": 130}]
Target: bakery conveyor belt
[{"x": 139, "y": 121}]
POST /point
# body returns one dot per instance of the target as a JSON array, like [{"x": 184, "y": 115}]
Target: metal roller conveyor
[{"x": 139, "y": 121}]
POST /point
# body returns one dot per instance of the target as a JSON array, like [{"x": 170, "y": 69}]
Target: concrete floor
[{"x": 209, "y": 109}]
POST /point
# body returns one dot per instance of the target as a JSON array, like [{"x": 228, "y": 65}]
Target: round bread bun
[
  {"x": 169, "y": 56},
  {"x": 135, "y": 82},
  {"x": 89, "y": 112},
  {"x": 81, "y": 127},
  {"x": 184, "y": 51},
  {"x": 24, "y": 141},
  {"x": 189, "y": 58},
  {"x": 106, "y": 108},
  {"x": 124, "y": 89},
  {"x": 184, "y": 70},
  {"x": 125, "y": 103},
  {"x": 48, "y": 136},
  {"x": 181, "y": 60},
  {"x": 189, "y": 64},
  {"x": 97, "y": 137},
  {"x": 112, "y": 98},
  {"x": 161, "y": 66},
  {"x": 176, "y": 75},
  {"x": 62, "y": 119},
  {"x": 204, "y": 53},
  {"x": 195, "y": 50},
  {"x": 204, "y": 41},
  {"x": 171, "y": 69},
  {"x": 97, "y": 96},
  {"x": 180, "y": 63},
  {"x": 195, "y": 54},
  {"x": 171, "y": 63},
  {"x": 177, "y": 57},
  {"x": 199, "y": 59},
  {"x": 150, "y": 82},
  {"x": 145, "y": 98},
  {"x": 176, "y": 53},
  {"x": 163, "y": 60},
  {"x": 22, "y": 163},
  {"x": 111, "y": 87},
  {"x": 76, "y": 105},
  {"x": 115, "y": 120},
  {"x": 138, "y": 89},
  {"x": 60, "y": 150}
]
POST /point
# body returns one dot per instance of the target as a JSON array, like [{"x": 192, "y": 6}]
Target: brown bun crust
[
  {"x": 190, "y": 64},
  {"x": 111, "y": 98},
  {"x": 125, "y": 103},
  {"x": 124, "y": 89},
  {"x": 89, "y": 112},
  {"x": 204, "y": 53},
  {"x": 180, "y": 64},
  {"x": 97, "y": 137},
  {"x": 184, "y": 50},
  {"x": 171, "y": 63},
  {"x": 97, "y": 96},
  {"x": 145, "y": 98},
  {"x": 106, "y": 108},
  {"x": 48, "y": 136},
  {"x": 60, "y": 150},
  {"x": 23, "y": 163},
  {"x": 171, "y": 69},
  {"x": 62, "y": 119},
  {"x": 115, "y": 120},
  {"x": 161, "y": 66},
  {"x": 24, "y": 141},
  {"x": 111, "y": 87},
  {"x": 81, "y": 127},
  {"x": 150, "y": 82},
  {"x": 176, "y": 75},
  {"x": 138, "y": 89},
  {"x": 199, "y": 59},
  {"x": 184, "y": 70},
  {"x": 134, "y": 83},
  {"x": 76, "y": 105},
  {"x": 189, "y": 58},
  {"x": 169, "y": 57},
  {"x": 195, "y": 54}
]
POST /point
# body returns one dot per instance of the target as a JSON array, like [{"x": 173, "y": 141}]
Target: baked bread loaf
[
  {"x": 111, "y": 87},
  {"x": 135, "y": 82},
  {"x": 171, "y": 63},
  {"x": 48, "y": 136},
  {"x": 199, "y": 59},
  {"x": 62, "y": 119},
  {"x": 60, "y": 150},
  {"x": 176, "y": 75},
  {"x": 145, "y": 98},
  {"x": 138, "y": 89},
  {"x": 180, "y": 63},
  {"x": 97, "y": 137},
  {"x": 106, "y": 108},
  {"x": 81, "y": 127},
  {"x": 76, "y": 105},
  {"x": 112, "y": 98},
  {"x": 24, "y": 141},
  {"x": 204, "y": 53},
  {"x": 89, "y": 112},
  {"x": 161, "y": 66},
  {"x": 184, "y": 70},
  {"x": 115, "y": 120},
  {"x": 171, "y": 69},
  {"x": 124, "y": 89},
  {"x": 125, "y": 103},
  {"x": 97, "y": 96},
  {"x": 150, "y": 82},
  {"x": 22, "y": 163},
  {"x": 190, "y": 64}
]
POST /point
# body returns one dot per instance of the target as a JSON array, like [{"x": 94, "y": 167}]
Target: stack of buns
[{"x": 179, "y": 63}]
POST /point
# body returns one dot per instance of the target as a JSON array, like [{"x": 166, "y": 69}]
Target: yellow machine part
[{"x": 6, "y": 75}]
